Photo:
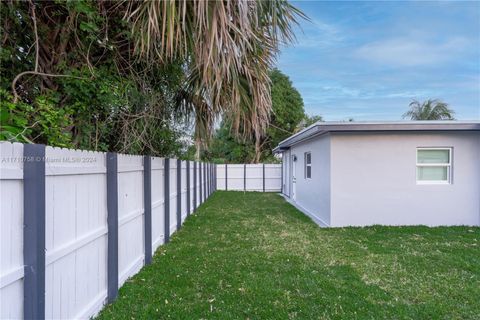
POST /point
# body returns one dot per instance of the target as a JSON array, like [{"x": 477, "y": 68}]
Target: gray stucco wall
[
  {"x": 313, "y": 195},
  {"x": 374, "y": 180}
]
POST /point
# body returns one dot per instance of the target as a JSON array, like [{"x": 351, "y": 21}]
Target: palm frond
[
  {"x": 429, "y": 110},
  {"x": 229, "y": 47}
]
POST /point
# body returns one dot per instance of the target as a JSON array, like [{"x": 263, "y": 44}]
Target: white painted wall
[
  {"x": 363, "y": 179},
  {"x": 313, "y": 195},
  {"x": 254, "y": 177},
  {"x": 76, "y": 227},
  {"x": 374, "y": 180}
]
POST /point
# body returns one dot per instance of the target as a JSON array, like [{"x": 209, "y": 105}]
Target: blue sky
[{"x": 368, "y": 60}]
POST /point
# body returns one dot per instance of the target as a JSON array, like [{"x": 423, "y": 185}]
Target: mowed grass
[{"x": 254, "y": 256}]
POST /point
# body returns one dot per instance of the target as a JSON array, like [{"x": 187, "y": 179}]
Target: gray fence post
[
  {"x": 194, "y": 185},
  {"x": 263, "y": 177},
  {"x": 179, "y": 194},
  {"x": 112, "y": 220},
  {"x": 166, "y": 189},
  {"x": 34, "y": 231},
  {"x": 147, "y": 202},
  {"x": 188, "y": 188},
  {"x": 226, "y": 177},
  {"x": 204, "y": 182}
]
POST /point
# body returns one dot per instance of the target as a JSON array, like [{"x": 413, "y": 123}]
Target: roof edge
[{"x": 399, "y": 126}]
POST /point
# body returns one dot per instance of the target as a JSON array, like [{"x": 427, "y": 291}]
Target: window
[
  {"x": 308, "y": 165},
  {"x": 434, "y": 165}
]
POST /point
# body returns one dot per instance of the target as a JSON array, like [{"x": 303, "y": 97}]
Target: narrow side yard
[{"x": 254, "y": 256}]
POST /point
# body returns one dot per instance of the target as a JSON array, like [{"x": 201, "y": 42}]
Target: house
[{"x": 388, "y": 173}]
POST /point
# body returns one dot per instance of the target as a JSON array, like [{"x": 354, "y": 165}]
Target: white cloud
[
  {"x": 319, "y": 34},
  {"x": 407, "y": 52}
]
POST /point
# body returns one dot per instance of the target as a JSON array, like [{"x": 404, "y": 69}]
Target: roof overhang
[{"x": 320, "y": 128}]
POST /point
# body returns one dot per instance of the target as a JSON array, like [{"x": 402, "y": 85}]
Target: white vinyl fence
[
  {"x": 249, "y": 177},
  {"x": 75, "y": 225}
]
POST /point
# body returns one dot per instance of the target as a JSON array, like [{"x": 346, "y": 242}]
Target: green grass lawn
[{"x": 254, "y": 256}]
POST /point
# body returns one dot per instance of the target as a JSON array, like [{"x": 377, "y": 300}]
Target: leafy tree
[
  {"x": 287, "y": 109},
  {"x": 308, "y": 121},
  {"x": 226, "y": 148},
  {"x": 429, "y": 110},
  {"x": 287, "y": 117},
  {"x": 132, "y": 75}
]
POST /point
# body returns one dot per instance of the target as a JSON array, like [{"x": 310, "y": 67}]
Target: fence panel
[
  {"x": 221, "y": 175},
  {"x": 273, "y": 177},
  {"x": 130, "y": 216},
  {"x": 184, "y": 190},
  {"x": 78, "y": 259},
  {"x": 158, "y": 202},
  {"x": 249, "y": 177},
  {"x": 235, "y": 176},
  {"x": 199, "y": 200},
  {"x": 11, "y": 231},
  {"x": 254, "y": 177},
  {"x": 192, "y": 188},
  {"x": 173, "y": 196},
  {"x": 76, "y": 228}
]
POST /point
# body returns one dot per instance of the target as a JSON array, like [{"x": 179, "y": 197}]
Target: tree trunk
[
  {"x": 258, "y": 150},
  {"x": 198, "y": 146}
]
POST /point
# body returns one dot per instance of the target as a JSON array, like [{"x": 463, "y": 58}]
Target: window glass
[
  {"x": 433, "y": 156},
  {"x": 432, "y": 173},
  {"x": 433, "y": 165},
  {"x": 308, "y": 165}
]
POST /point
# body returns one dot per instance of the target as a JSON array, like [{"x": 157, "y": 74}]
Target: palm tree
[
  {"x": 229, "y": 48},
  {"x": 429, "y": 110}
]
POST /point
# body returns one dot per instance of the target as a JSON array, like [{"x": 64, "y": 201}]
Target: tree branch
[
  {"x": 37, "y": 53},
  {"x": 14, "y": 90},
  {"x": 37, "y": 48}
]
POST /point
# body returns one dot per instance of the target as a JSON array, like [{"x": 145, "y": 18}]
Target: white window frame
[
  {"x": 447, "y": 165},
  {"x": 307, "y": 164}
]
